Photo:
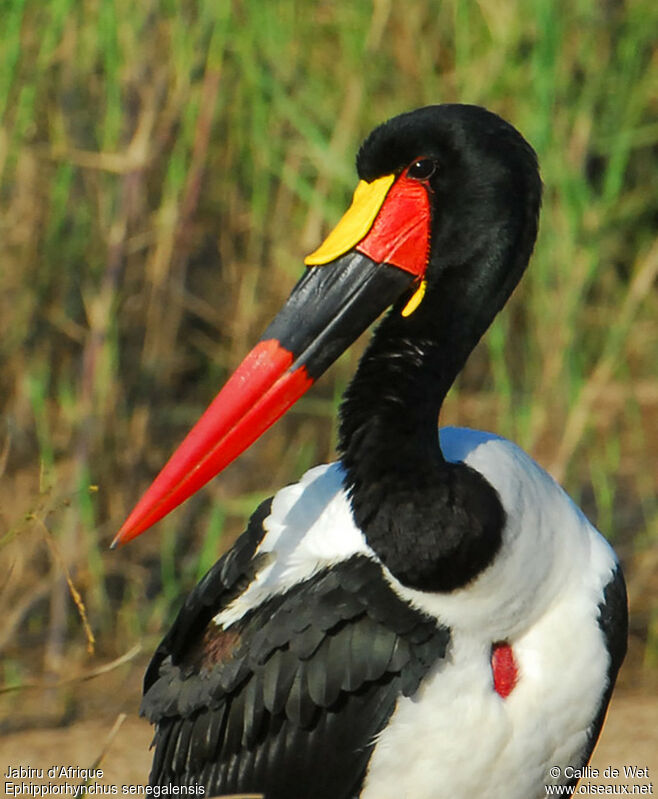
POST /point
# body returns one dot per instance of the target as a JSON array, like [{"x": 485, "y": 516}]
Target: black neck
[{"x": 434, "y": 524}]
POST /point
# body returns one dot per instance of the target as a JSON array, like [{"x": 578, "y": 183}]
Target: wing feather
[{"x": 289, "y": 699}]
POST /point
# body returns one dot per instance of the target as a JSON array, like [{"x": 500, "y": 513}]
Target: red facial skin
[{"x": 400, "y": 234}]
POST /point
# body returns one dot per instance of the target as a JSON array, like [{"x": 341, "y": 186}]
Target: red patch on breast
[{"x": 504, "y": 668}]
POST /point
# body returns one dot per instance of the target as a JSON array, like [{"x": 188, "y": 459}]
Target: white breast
[{"x": 457, "y": 738}]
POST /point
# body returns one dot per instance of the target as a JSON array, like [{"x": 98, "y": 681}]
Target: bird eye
[{"x": 422, "y": 169}]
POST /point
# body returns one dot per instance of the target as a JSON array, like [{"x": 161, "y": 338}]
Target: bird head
[{"x": 440, "y": 229}]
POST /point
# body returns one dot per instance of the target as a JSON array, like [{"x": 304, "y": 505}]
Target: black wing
[
  {"x": 288, "y": 700},
  {"x": 613, "y": 621},
  {"x": 223, "y": 582}
]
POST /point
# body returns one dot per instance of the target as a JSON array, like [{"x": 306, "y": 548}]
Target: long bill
[{"x": 331, "y": 305}]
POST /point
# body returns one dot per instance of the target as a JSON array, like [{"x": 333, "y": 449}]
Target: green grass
[{"x": 164, "y": 168}]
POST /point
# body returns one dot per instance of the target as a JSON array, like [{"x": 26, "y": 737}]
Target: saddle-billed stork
[{"x": 431, "y": 616}]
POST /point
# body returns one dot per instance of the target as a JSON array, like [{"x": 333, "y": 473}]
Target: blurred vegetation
[{"x": 164, "y": 168}]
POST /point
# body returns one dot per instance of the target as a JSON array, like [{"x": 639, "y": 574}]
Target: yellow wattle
[{"x": 415, "y": 300}]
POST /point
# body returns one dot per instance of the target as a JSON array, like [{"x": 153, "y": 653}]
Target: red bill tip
[{"x": 258, "y": 393}]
